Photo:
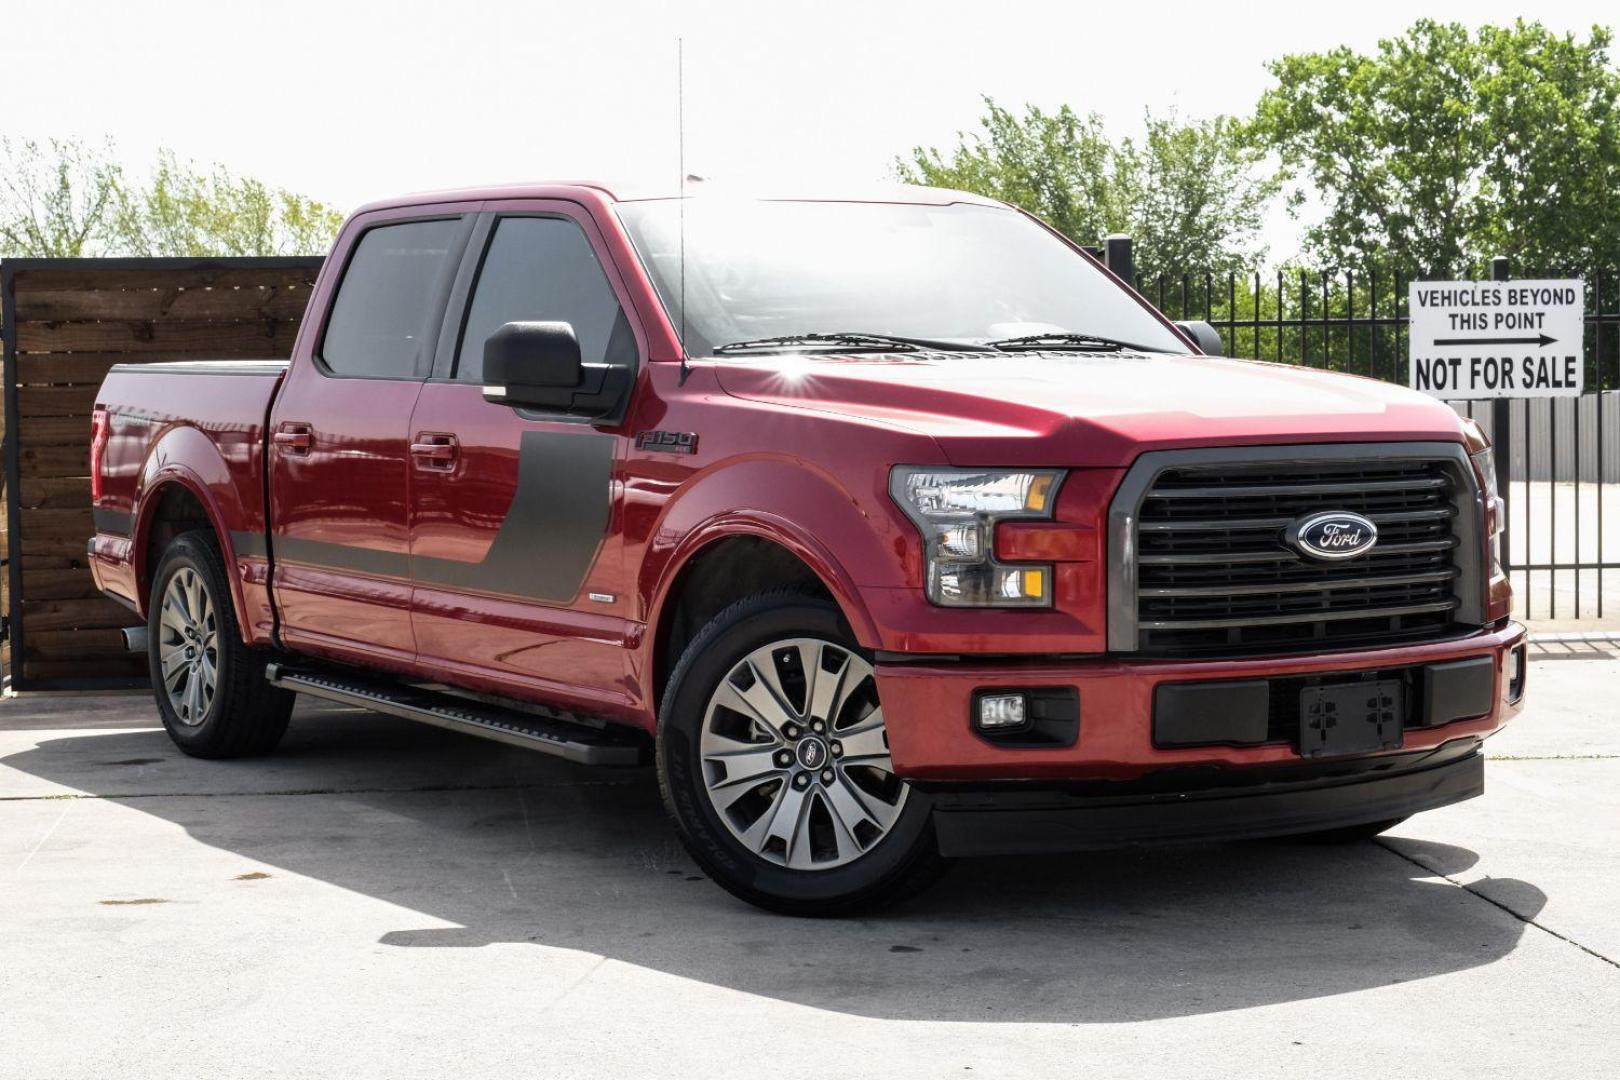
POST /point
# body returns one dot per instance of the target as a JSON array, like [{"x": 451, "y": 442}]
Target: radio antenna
[{"x": 680, "y": 155}]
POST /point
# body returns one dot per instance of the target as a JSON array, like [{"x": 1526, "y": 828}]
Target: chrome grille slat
[
  {"x": 1303, "y": 586},
  {"x": 1248, "y": 524},
  {"x": 1270, "y": 490},
  {"x": 1331, "y": 616},
  {"x": 1281, "y": 555}
]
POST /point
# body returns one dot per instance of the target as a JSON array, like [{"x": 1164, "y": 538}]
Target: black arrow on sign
[{"x": 1543, "y": 340}]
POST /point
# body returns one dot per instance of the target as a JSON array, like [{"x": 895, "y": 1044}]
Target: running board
[{"x": 574, "y": 742}]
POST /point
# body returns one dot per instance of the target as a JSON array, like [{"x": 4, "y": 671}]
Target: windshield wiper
[
  {"x": 855, "y": 339},
  {"x": 1064, "y": 340}
]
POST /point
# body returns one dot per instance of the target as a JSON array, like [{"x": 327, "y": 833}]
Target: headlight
[
  {"x": 1495, "y": 508},
  {"x": 956, "y": 510}
]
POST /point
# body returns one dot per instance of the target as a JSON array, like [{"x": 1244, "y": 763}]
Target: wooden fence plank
[
  {"x": 57, "y": 492},
  {"x": 58, "y": 305},
  {"x": 55, "y": 430},
  {"x": 60, "y": 368},
  {"x": 67, "y": 584},
  {"x": 97, "y": 278},
  {"x": 123, "y": 669},
  {"x": 54, "y": 461},
  {"x": 92, "y": 613},
  {"x": 265, "y": 337},
  {"x": 56, "y": 401}
]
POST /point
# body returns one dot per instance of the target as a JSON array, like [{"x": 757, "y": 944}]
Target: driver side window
[{"x": 543, "y": 269}]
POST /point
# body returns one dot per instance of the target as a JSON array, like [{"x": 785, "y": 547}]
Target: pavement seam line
[
  {"x": 1543, "y": 927},
  {"x": 76, "y": 795}
]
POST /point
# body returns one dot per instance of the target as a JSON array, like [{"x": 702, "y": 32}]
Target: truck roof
[{"x": 626, "y": 192}]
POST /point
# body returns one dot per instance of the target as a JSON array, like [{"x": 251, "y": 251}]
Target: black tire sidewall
[
  {"x": 711, "y": 656},
  {"x": 193, "y": 552}
]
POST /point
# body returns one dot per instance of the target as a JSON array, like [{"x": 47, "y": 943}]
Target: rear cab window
[{"x": 384, "y": 310}]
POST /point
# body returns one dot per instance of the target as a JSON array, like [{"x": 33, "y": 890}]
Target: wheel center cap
[{"x": 812, "y": 752}]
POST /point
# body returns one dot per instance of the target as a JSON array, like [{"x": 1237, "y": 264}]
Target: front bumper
[
  {"x": 927, "y": 702},
  {"x": 1202, "y": 805}
]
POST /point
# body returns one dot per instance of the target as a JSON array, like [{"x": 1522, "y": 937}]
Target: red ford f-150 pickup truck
[{"x": 891, "y": 528}]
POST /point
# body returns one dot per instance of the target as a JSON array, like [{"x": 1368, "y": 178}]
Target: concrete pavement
[{"x": 380, "y": 899}]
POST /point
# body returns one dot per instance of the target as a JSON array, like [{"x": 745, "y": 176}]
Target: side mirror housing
[
  {"x": 536, "y": 365},
  {"x": 1205, "y": 336}
]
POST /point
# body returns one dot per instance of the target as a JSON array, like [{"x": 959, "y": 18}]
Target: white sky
[{"x": 353, "y": 101}]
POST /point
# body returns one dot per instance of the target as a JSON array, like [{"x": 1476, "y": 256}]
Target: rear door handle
[
  {"x": 295, "y": 439},
  {"x": 433, "y": 450}
]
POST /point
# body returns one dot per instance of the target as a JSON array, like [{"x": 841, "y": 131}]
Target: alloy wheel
[
  {"x": 795, "y": 755},
  {"x": 188, "y": 646}
]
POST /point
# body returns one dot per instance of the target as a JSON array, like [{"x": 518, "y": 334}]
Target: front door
[
  {"x": 340, "y": 478},
  {"x": 514, "y": 541}
]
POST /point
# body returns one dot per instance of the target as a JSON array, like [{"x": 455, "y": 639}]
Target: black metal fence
[{"x": 1560, "y": 456}]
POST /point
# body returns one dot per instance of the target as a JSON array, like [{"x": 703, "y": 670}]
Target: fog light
[
  {"x": 1001, "y": 712},
  {"x": 1515, "y": 674}
]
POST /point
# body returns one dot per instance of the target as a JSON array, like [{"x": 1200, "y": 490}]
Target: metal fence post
[
  {"x": 1117, "y": 257},
  {"x": 1502, "y": 441}
]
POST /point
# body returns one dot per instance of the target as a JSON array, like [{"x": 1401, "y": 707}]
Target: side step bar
[{"x": 574, "y": 742}]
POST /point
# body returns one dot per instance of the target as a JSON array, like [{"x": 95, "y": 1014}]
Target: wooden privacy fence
[{"x": 66, "y": 321}]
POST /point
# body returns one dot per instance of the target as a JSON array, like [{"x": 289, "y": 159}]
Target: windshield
[{"x": 960, "y": 273}]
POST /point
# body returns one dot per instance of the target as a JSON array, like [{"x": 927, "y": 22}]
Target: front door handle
[
  {"x": 434, "y": 450},
  {"x": 296, "y": 439}
]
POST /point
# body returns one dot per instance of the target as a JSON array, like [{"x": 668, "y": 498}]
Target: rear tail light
[{"x": 100, "y": 429}]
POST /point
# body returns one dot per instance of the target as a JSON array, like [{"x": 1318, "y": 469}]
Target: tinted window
[
  {"x": 543, "y": 270},
  {"x": 380, "y": 316}
]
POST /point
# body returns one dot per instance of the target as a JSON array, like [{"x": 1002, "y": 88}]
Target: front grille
[{"x": 1213, "y": 576}]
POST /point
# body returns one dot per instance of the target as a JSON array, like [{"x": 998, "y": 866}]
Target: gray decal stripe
[
  {"x": 542, "y": 550},
  {"x": 544, "y": 547},
  {"x": 115, "y": 522},
  {"x": 250, "y": 544}
]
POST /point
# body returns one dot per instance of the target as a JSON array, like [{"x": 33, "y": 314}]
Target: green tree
[
  {"x": 56, "y": 198},
  {"x": 1191, "y": 193},
  {"x": 64, "y": 198},
  {"x": 1058, "y": 166},
  {"x": 1445, "y": 146},
  {"x": 1196, "y": 196},
  {"x": 185, "y": 212}
]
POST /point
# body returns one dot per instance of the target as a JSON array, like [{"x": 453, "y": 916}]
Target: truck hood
[{"x": 1065, "y": 408}]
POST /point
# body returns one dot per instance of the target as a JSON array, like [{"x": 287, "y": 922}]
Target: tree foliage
[
  {"x": 63, "y": 198},
  {"x": 1190, "y": 192},
  {"x": 1447, "y": 146},
  {"x": 56, "y": 199}
]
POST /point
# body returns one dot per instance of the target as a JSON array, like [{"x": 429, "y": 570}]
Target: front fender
[{"x": 848, "y": 538}]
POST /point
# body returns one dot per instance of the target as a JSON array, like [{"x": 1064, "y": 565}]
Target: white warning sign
[{"x": 1490, "y": 339}]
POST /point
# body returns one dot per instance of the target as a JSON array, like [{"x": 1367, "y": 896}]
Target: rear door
[
  {"x": 340, "y": 447},
  {"x": 514, "y": 536}
]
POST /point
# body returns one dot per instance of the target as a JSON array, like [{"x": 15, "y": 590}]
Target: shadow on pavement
[{"x": 515, "y": 848}]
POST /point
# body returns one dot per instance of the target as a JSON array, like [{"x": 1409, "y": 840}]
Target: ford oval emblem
[{"x": 1335, "y": 535}]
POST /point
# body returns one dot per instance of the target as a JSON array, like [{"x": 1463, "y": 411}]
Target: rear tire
[
  {"x": 781, "y": 788},
  {"x": 210, "y": 688}
]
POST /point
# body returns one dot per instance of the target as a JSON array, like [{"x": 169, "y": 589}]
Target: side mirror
[
  {"x": 536, "y": 365},
  {"x": 1205, "y": 336}
]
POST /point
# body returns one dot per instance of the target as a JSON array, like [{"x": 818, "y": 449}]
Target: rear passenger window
[
  {"x": 380, "y": 317},
  {"x": 543, "y": 270}
]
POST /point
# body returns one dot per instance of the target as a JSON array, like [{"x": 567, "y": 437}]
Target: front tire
[
  {"x": 210, "y": 688},
  {"x": 773, "y": 763}
]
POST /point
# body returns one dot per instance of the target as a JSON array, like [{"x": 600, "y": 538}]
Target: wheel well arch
[
  {"x": 715, "y": 576},
  {"x": 172, "y": 506}
]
